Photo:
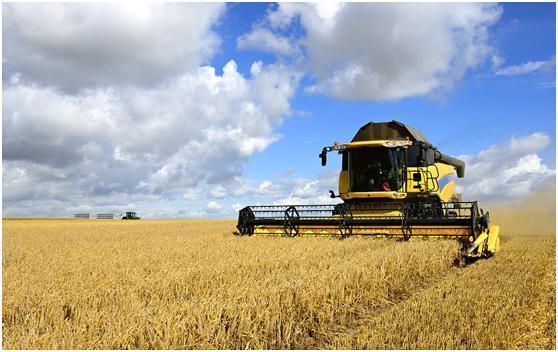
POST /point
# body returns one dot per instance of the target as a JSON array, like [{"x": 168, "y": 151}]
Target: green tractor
[{"x": 130, "y": 215}]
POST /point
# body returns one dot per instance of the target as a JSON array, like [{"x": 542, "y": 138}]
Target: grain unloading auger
[{"x": 393, "y": 183}]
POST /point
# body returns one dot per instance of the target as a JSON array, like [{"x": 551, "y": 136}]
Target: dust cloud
[{"x": 534, "y": 215}]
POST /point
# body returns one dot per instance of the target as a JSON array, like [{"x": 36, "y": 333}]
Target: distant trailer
[
  {"x": 81, "y": 216},
  {"x": 105, "y": 216}
]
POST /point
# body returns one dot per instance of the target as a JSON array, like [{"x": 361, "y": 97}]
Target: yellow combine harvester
[{"x": 393, "y": 183}]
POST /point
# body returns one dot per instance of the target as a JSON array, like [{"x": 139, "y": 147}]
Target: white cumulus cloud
[
  {"x": 507, "y": 171},
  {"x": 377, "y": 51},
  {"x": 73, "y": 45},
  {"x": 200, "y": 127},
  {"x": 190, "y": 194},
  {"x": 213, "y": 205},
  {"x": 264, "y": 40}
]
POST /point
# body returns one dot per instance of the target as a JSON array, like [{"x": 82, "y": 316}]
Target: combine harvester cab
[{"x": 393, "y": 183}]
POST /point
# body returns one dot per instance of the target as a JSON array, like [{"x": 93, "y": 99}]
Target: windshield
[{"x": 374, "y": 169}]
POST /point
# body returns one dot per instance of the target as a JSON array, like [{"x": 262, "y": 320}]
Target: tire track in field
[
  {"x": 395, "y": 296},
  {"x": 394, "y": 300},
  {"x": 419, "y": 258},
  {"x": 501, "y": 303},
  {"x": 347, "y": 332}
]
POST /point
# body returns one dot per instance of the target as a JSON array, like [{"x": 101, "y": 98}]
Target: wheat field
[{"x": 191, "y": 284}]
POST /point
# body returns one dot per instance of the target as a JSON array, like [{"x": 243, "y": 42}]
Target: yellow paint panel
[
  {"x": 343, "y": 182},
  {"x": 428, "y": 232},
  {"x": 447, "y": 192}
]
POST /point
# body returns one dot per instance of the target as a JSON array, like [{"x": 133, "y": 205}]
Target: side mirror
[
  {"x": 426, "y": 154},
  {"x": 429, "y": 156},
  {"x": 323, "y": 156}
]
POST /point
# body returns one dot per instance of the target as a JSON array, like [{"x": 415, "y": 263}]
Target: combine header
[{"x": 393, "y": 183}]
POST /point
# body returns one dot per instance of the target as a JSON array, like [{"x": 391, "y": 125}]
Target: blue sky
[{"x": 477, "y": 87}]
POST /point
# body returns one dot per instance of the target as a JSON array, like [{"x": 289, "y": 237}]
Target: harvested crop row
[
  {"x": 191, "y": 284},
  {"x": 507, "y": 302}
]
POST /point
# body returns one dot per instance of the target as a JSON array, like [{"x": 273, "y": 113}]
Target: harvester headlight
[
  {"x": 394, "y": 144},
  {"x": 338, "y": 147}
]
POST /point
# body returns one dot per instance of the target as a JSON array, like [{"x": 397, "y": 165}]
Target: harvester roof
[{"x": 388, "y": 130}]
